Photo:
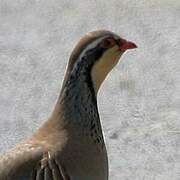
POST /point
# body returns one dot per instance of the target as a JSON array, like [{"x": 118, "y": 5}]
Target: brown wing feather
[
  {"x": 18, "y": 163},
  {"x": 50, "y": 169},
  {"x": 27, "y": 162}
]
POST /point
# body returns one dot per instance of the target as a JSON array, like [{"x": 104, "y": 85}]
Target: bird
[{"x": 70, "y": 145}]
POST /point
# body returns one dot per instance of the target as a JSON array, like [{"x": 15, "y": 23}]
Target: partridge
[{"x": 70, "y": 144}]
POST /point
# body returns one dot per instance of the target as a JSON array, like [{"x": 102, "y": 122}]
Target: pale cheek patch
[{"x": 103, "y": 66}]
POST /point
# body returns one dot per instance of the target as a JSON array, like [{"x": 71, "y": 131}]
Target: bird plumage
[{"x": 70, "y": 145}]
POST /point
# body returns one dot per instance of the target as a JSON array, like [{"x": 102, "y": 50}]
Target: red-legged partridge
[{"x": 70, "y": 145}]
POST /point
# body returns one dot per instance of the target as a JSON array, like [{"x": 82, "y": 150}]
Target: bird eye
[{"x": 108, "y": 43}]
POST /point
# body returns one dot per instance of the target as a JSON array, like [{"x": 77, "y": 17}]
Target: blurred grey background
[{"x": 139, "y": 102}]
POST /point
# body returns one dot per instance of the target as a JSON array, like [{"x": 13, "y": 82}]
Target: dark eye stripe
[
  {"x": 108, "y": 43},
  {"x": 118, "y": 41}
]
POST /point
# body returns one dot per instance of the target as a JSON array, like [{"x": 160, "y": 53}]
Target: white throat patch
[{"x": 103, "y": 66}]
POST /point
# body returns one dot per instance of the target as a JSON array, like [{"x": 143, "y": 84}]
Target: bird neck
[
  {"x": 78, "y": 97},
  {"x": 77, "y": 106}
]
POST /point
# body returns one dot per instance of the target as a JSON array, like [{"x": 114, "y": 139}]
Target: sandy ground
[{"x": 139, "y": 103}]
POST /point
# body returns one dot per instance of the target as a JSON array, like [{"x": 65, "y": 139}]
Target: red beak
[{"x": 126, "y": 45}]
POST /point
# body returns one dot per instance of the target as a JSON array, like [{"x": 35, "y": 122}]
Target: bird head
[{"x": 96, "y": 54}]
